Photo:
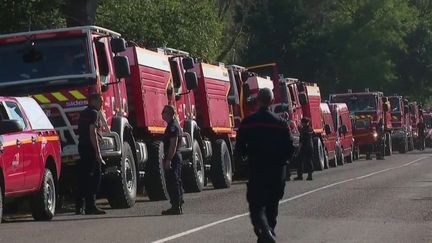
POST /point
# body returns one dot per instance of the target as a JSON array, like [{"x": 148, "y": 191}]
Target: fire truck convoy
[{"x": 61, "y": 67}]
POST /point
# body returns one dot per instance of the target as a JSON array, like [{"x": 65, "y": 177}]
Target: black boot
[
  {"x": 309, "y": 178},
  {"x": 266, "y": 236},
  {"x": 173, "y": 211},
  {"x": 91, "y": 208},
  {"x": 79, "y": 207}
]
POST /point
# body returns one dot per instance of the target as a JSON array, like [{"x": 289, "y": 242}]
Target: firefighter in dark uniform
[
  {"x": 172, "y": 161},
  {"x": 265, "y": 139},
  {"x": 89, "y": 166},
  {"x": 305, "y": 153},
  {"x": 421, "y": 133}
]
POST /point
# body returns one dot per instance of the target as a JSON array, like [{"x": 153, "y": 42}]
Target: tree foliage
[{"x": 340, "y": 44}]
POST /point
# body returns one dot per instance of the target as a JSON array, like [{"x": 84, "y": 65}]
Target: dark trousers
[
  {"x": 305, "y": 163},
  {"x": 174, "y": 183},
  {"x": 263, "y": 198},
  {"x": 88, "y": 178}
]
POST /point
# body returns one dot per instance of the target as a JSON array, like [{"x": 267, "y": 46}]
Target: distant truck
[
  {"x": 403, "y": 134},
  {"x": 30, "y": 161},
  {"x": 370, "y": 112},
  {"x": 343, "y": 127}
]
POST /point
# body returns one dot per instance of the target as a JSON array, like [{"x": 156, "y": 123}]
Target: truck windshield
[
  {"x": 357, "y": 103},
  {"x": 40, "y": 59},
  {"x": 395, "y": 105}
]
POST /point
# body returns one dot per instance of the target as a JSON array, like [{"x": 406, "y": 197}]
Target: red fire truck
[
  {"x": 343, "y": 127},
  {"x": 371, "y": 116},
  {"x": 402, "y": 136},
  {"x": 61, "y": 67}
]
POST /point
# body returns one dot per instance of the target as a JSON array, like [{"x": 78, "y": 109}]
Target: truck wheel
[
  {"x": 340, "y": 156},
  {"x": 333, "y": 162},
  {"x": 368, "y": 155},
  {"x": 326, "y": 160},
  {"x": 411, "y": 144},
  {"x": 318, "y": 155},
  {"x": 44, "y": 202},
  {"x": 122, "y": 190},
  {"x": 388, "y": 145},
  {"x": 154, "y": 180},
  {"x": 403, "y": 148},
  {"x": 193, "y": 173},
  {"x": 221, "y": 170},
  {"x": 349, "y": 158}
]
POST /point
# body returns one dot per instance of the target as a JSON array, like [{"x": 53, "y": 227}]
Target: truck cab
[
  {"x": 370, "y": 112},
  {"x": 30, "y": 162}
]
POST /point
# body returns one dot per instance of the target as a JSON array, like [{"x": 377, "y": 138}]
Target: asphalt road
[{"x": 367, "y": 201}]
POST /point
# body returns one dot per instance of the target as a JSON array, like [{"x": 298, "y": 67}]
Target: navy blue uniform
[
  {"x": 306, "y": 151},
  {"x": 266, "y": 141},
  {"x": 173, "y": 175},
  {"x": 88, "y": 168}
]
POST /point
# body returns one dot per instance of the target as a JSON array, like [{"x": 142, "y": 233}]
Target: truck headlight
[
  {"x": 108, "y": 143},
  {"x": 375, "y": 135}
]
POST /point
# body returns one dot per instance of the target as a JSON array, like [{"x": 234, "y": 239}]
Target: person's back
[{"x": 268, "y": 143}]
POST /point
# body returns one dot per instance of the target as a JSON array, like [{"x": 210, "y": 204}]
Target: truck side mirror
[
  {"x": 327, "y": 129},
  {"x": 191, "y": 80},
  {"x": 246, "y": 91},
  {"x": 245, "y": 76},
  {"x": 188, "y": 63},
  {"x": 122, "y": 68},
  {"x": 232, "y": 100},
  {"x": 10, "y": 126},
  {"x": 118, "y": 45},
  {"x": 343, "y": 129},
  {"x": 284, "y": 91},
  {"x": 301, "y": 87},
  {"x": 405, "y": 102},
  {"x": 303, "y": 99}
]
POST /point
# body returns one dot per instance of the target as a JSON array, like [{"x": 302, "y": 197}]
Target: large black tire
[
  {"x": 43, "y": 203},
  {"x": 350, "y": 157},
  {"x": 340, "y": 156},
  {"x": 221, "y": 167},
  {"x": 333, "y": 162},
  {"x": 122, "y": 190},
  {"x": 318, "y": 155},
  {"x": 403, "y": 148},
  {"x": 193, "y": 174},
  {"x": 388, "y": 145},
  {"x": 154, "y": 180},
  {"x": 411, "y": 143},
  {"x": 326, "y": 160}
]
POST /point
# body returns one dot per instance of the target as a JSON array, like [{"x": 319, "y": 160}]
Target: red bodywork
[
  {"x": 329, "y": 137},
  {"x": 341, "y": 117},
  {"x": 25, "y": 154}
]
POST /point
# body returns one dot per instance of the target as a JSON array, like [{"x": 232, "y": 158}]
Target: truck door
[{"x": 10, "y": 148}]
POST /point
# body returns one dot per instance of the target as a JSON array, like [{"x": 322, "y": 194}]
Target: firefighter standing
[
  {"x": 172, "y": 161},
  {"x": 305, "y": 150},
  {"x": 89, "y": 165},
  {"x": 265, "y": 139},
  {"x": 421, "y": 133}
]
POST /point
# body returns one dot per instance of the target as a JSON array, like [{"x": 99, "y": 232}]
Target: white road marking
[{"x": 176, "y": 236}]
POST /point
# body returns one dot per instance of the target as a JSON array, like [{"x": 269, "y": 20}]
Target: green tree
[{"x": 189, "y": 25}]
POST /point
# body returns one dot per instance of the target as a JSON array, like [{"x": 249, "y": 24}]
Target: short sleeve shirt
[
  {"x": 89, "y": 116},
  {"x": 173, "y": 129}
]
